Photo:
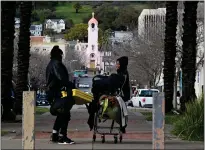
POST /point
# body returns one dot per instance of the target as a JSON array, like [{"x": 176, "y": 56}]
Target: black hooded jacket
[
  {"x": 56, "y": 75},
  {"x": 102, "y": 84},
  {"x": 123, "y": 77}
]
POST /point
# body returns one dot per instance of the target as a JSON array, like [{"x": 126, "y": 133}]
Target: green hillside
[{"x": 68, "y": 12}]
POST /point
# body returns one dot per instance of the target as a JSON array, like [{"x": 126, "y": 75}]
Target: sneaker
[
  {"x": 54, "y": 137},
  {"x": 65, "y": 140}
]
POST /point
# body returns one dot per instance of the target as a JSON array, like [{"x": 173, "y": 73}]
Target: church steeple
[{"x": 93, "y": 20}]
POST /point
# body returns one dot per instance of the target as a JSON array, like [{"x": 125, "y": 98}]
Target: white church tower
[{"x": 92, "y": 50}]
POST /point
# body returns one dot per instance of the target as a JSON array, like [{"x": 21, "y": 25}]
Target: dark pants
[
  {"x": 62, "y": 120},
  {"x": 61, "y": 123}
]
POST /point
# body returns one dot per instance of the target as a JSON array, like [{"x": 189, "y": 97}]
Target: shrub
[{"x": 191, "y": 125}]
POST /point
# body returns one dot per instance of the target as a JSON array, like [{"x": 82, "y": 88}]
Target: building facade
[
  {"x": 56, "y": 24},
  {"x": 17, "y": 23},
  {"x": 36, "y": 30},
  {"x": 121, "y": 36},
  {"x": 151, "y": 23}
]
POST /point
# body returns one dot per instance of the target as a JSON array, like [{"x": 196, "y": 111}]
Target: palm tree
[
  {"x": 170, "y": 53},
  {"x": 189, "y": 53},
  {"x": 7, "y": 52},
  {"x": 23, "y": 52}
]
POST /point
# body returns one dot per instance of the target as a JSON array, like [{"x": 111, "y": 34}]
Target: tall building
[{"x": 151, "y": 23}]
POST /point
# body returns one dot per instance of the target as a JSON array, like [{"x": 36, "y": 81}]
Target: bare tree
[
  {"x": 70, "y": 55},
  {"x": 37, "y": 69},
  {"x": 39, "y": 62},
  {"x": 145, "y": 57}
]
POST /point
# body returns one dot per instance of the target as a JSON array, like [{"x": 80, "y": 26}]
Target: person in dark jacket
[
  {"x": 123, "y": 76},
  {"x": 121, "y": 66},
  {"x": 57, "y": 78},
  {"x": 111, "y": 83}
]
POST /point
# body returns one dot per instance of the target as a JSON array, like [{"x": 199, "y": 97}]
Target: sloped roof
[
  {"x": 93, "y": 20},
  {"x": 54, "y": 20}
]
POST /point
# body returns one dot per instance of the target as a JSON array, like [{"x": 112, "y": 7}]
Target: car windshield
[{"x": 147, "y": 93}]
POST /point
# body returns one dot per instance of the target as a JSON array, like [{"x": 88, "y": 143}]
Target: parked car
[
  {"x": 85, "y": 75},
  {"x": 143, "y": 98},
  {"x": 42, "y": 100}
]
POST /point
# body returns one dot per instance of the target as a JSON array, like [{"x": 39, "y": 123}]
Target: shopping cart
[{"x": 101, "y": 116}]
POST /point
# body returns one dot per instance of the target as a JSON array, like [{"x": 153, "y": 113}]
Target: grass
[
  {"x": 68, "y": 12},
  {"x": 169, "y": 118},
  {"x": 4, "y": 132},
  {"x": 41, "y": 110},
  {"x": 141, "y": 6}
]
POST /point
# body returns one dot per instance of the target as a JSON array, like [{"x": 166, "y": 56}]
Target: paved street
[{"x": 138, "y": 136}]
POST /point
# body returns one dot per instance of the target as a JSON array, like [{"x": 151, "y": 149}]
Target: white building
[
  {"x": 56, "y": 24},
  {"x": 121, "y": 36},
  {"x": 17, "y": 23},
  {"x": 151, "y": 22},
  {"x": 89, "y": 51},
  {"x": 36, "y": 30}
]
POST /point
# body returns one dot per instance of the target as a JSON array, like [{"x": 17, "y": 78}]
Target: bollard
[
  {"x": 158, "y": 121},
  {"x": 28, "y": 130}
]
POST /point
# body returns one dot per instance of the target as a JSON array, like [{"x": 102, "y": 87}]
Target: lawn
[
  {"x": 4, "y": 132},
  {"x": 41, "y": 110},
  {"x": 68, "y": 12},
  {"x": 169, "y": 118}
]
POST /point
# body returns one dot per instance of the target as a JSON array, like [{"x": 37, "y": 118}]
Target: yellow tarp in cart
[{"x": 81, "y": 97}]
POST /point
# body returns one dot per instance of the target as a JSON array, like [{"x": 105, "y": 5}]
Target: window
[
  {"x": 92, "y": 55},
  {"x": 37, "y": 33},
  {"x": 93, "y": 47},
  {"x": 93, "y": 25},
  {"x": 147, "y": 93},
  {"x": 44, "y": 49}
]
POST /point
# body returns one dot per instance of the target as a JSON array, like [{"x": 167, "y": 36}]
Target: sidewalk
[{"x": 138, "y": 136}]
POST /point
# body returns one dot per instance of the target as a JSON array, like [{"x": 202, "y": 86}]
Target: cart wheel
[
  {"x": 120, "y": 138},
  {"x": 94, "y": 137},
  {"x": 103, "y": 138},
  {"x": 115, "y": 139}
]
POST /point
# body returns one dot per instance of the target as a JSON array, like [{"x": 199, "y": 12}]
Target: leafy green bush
[{"x": 191, "y": 124}]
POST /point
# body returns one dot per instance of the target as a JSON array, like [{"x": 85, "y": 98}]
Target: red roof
[
  {"x": 93, "y": 20},
  {"x": 36, "y": 39}
]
